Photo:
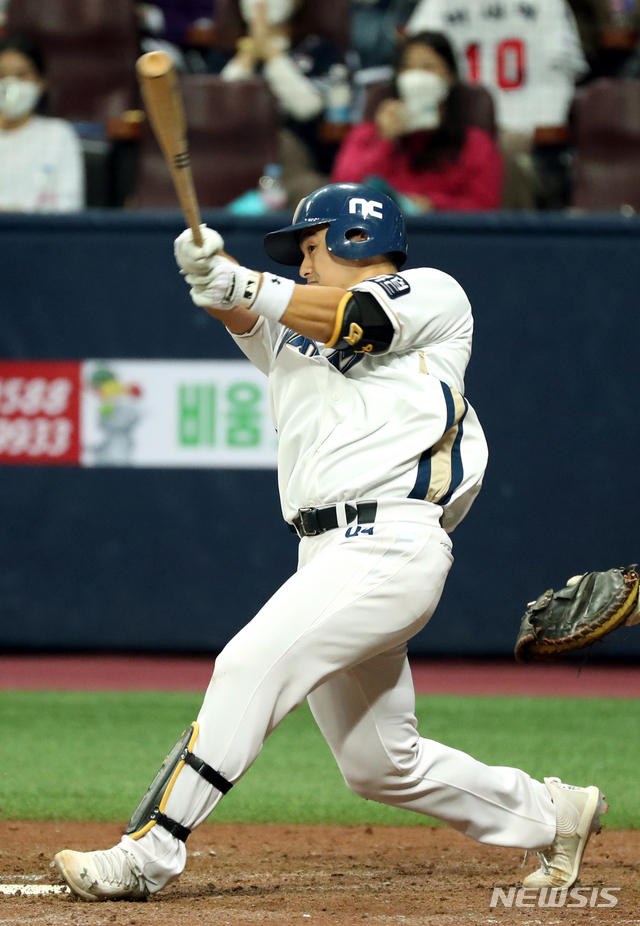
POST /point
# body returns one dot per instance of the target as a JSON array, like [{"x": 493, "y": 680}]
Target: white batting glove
[
  {"x": 194, "y": 259},
  {"x": 228, "y": 285},
  {"x": 225, "y": 286}
]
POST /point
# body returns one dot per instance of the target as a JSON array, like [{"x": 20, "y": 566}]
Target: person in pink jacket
[{"x": 420, "y": 143}]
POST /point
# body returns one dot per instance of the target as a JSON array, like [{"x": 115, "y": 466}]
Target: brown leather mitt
[{"x": 585, "y": 610}]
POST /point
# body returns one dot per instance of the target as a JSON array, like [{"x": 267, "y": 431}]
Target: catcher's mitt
[{"x": 589, "y": 607}]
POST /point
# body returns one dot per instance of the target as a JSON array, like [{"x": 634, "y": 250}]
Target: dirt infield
[{"x": 241, "y": 875}]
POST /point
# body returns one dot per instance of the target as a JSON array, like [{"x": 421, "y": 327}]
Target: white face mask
[
  {"x": 422, "y": 92},
  {"x": 18, "y": 97},
  {"x": 278, "y": 11}
]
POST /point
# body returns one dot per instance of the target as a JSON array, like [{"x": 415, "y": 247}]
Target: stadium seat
[
  {"x": 90, "y": 47},
  {"x": 607, "y": 134},
  {"x": 233, "y": 134},
  {"x": 477, "y": 102},
  {"x": 326, "y": 18}
]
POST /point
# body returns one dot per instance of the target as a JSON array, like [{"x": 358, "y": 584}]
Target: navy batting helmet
[{"x": 346, "y": 208}]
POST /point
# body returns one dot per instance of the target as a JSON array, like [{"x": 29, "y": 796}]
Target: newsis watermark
[{"x": 555, "y": 897}]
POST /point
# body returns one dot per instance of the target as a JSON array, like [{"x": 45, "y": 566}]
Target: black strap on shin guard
[
  {"x": 205, "y": 771},
  {"x": 209, "y": 774},
  {"x": 148, "y": 812},
  {"x": 172, "y": 826}
]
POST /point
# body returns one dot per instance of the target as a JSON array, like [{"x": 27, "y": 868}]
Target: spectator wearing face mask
[
  {"x": 419, "y": 142},
  {"x": 41, "y": 167},
  {"x": 527, "y": 53},
  {"x": 297, "y": 75}
]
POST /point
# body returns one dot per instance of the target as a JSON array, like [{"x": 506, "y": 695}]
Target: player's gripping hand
[
  {"x": 193, "y": 259},
  {"x": 228, "y": 285},
  {"x": 224, "y": 286}
]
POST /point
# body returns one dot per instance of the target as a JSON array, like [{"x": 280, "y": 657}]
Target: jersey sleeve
[
  {"x": 297, "y": 95},
  {"x": 424, "y": 306},
  {"x": 258, "y": 345},
  {"x": 564, "y": 50}
]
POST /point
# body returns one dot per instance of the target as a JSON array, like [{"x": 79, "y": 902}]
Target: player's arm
[
  {"x": 237, "y": 297},
  {"x": 340, "y": 318},
  {"x": 311, "y": 311},
  {"x": 336, "y": 317}
]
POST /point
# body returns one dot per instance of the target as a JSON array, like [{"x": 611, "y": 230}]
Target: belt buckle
[{"x": 309, "y": 521}]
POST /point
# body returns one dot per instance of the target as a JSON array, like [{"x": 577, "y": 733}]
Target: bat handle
[{"x": 197, "y": 235}]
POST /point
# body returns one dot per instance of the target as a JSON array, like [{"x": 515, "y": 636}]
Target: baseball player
[{"x": 380, "y": 457}]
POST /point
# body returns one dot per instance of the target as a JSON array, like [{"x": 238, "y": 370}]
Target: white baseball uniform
[
  {"x": 396, "y": 428},
  {"x": 526, "y": 52}
]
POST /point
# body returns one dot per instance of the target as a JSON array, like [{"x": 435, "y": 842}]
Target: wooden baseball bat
[{"x": 161, "y": 94}]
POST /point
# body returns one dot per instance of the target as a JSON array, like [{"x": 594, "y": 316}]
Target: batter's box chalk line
[{"x": 31, "y": 890}]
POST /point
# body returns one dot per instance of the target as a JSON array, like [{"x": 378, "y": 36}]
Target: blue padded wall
[{"x": 178, "y": 560}]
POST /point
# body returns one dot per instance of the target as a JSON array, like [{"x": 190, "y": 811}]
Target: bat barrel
[{"x": 161, "y": 93}]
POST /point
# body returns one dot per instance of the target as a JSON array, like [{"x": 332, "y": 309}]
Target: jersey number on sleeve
[{"x": 510, "y": 63}]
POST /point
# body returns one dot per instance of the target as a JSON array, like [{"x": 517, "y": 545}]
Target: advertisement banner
[
  {"x": 39, "y": 412},
  {"x": 159, "y": 413}
]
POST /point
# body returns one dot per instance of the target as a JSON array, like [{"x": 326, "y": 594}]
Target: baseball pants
[{"x": 335, "y": 633}]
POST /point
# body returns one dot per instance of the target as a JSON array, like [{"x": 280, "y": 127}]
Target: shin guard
[{"x": 150, "y": 810}]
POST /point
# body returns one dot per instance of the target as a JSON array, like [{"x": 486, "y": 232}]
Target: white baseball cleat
[
  {"x": 109, "y": 874},
  {"x": 578, "y": 811}
]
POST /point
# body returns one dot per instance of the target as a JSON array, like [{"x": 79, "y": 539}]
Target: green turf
[{"x": 86, "y": 756}]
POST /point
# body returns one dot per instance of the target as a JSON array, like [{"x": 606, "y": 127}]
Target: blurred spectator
[
  {"x": 528, "y": 54},
  {"x": 420, "y": 143},
  {"x": 589, "y": 16},
  {"x": 631, "y": 68},
  {"x": 609, "y": 33},
  {"x": 168, "y": 25},
  {"x": 172, "y": 19},
  {"x": 374, "y": 29},
  {"x": 618, "y": 38},
  {"x": 41, "y": 168},
  {"x": 298, "y": 78},
  {"x": 629, "y": 64}
]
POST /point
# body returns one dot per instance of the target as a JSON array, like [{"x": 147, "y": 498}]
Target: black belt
[{"x": 309, "y": 522}]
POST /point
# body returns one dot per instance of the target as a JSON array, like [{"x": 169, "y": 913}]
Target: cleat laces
[
  {"x": 115, "y": 867},
  {"x": 544, "y": 861}
]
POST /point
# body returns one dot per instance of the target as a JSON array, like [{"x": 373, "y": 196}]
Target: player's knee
[
  {"x": 230, "y": 662},
  {"x": 255, "y": 656},
  {"x": 377, "y": 774},
  {"x": 245, "y": 665},
  {"x": 368, "y": 783},
  {"x": 240, "y": 657}
]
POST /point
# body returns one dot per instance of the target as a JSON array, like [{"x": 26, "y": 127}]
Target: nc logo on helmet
[{"x": 367, "y": 207}]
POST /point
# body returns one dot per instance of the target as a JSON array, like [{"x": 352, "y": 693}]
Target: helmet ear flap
[
  {"x": 339, "y": 240},
  {"x": 354, "y": 239},
  {"x": 357, "y": 233}
]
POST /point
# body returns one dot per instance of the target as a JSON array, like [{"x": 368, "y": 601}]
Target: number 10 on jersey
[{"x": 510, "y": 63}]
